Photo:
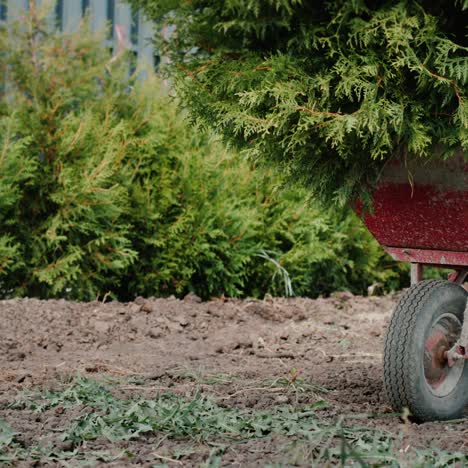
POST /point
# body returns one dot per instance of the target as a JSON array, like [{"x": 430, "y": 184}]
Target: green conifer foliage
[
  {"x": 329, "y": 90},
  {"x": 61, "y": 201},
  {"x": 203, "y": 220},
  {"x": 105, "y": 188}
]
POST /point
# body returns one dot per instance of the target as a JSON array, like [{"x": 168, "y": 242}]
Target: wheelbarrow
[{"x": 420, "y": 216}]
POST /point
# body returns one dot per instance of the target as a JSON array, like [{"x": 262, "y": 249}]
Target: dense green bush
[
  {"x": 61, "y": 165},
  {"x": 104, "y": 187},
  {"x": 329, "y": 90},
  {"x": 208, "y": 222}
]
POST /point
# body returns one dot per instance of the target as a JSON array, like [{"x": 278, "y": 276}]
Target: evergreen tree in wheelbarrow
[{"x": 364, "y": 103}]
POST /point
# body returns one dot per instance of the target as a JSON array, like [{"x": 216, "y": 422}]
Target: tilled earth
[{"x": 250, "y": 355}]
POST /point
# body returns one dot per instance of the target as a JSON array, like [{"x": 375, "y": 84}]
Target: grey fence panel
[
  {"x": 67, "y": 15},
  {"x": 16, "y": 7}
]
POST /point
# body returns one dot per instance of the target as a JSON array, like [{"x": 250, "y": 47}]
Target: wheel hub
[{"x": 441, "y": 378}]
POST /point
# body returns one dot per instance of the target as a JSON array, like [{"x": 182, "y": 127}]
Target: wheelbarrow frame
[{"x": 420, "y": 215}]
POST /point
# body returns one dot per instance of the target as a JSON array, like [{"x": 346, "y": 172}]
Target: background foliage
[
  {"x": 63, "y": 144},
  {"x": 329, "y": 90},
  {"x": 104, "y": 187}
]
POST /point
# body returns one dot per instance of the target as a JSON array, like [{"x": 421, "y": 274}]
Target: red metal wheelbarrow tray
[{"x": 420, "y": 214}]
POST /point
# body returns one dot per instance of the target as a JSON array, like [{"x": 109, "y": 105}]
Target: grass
[
  {"x": 12, "y": 451},
  {"x": 195, "y": 422}
]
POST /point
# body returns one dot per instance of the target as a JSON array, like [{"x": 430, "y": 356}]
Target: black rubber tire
[{"x": 404, "y": 377}]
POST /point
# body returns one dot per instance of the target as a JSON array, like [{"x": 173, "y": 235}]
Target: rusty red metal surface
[
  {"x": 420, "y": 213},
  {"x": 445, "y": 258},
  {"x": 435, "y": 347},
  {"x": 458, "y": 276}
]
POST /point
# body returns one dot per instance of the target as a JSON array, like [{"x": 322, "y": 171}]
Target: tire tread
[{"x": 399, "y": 363}]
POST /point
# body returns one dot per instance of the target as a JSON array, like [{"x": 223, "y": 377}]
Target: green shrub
[
  {"x": 105, "y": 188},
  {"x": 329, "y": 90},
  {"x": 204, "y": 219},
  {"x": 61, "y": 165}
]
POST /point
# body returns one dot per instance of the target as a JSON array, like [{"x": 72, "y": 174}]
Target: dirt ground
[{"x": 334, "y": 344}]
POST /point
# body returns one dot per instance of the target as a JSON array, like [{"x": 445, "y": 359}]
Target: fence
[{"x": 67, "y": 14}]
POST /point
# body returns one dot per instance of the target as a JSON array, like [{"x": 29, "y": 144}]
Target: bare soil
[{"x": 334, "y": 344}]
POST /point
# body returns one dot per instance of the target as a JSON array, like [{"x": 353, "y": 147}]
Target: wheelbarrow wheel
[{"x": 426, "y": 322}]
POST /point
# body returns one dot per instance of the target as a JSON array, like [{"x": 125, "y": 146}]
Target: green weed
[{"x": 200, "y": 420}]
